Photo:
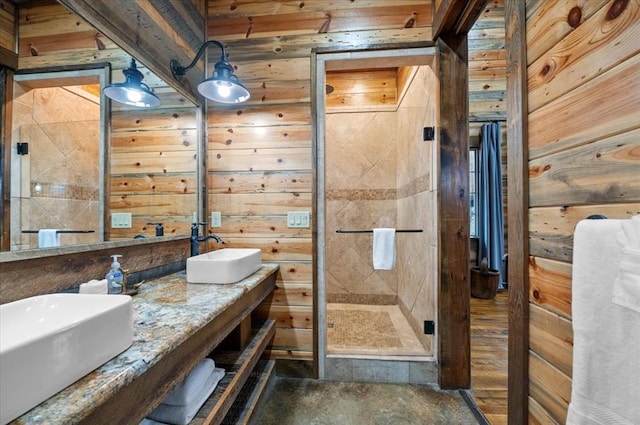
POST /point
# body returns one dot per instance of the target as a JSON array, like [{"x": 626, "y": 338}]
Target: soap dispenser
[{"x": 115, "y": 276}]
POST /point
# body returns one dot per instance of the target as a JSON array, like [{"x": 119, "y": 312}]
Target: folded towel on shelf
[
  {"x": 384, "y": 249},
  {"x": 606, "y": 335},
  {"x": 94, "y": 287},
  {"x": 48, "y": 238},
  {"x": 186, "y": 392},
  {"x": 147, "y": 421},
  {"x": 182, "y": 415},
  {"x": 626, "y": 287}
]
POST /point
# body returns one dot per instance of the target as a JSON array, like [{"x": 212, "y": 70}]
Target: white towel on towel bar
[
  {"x": 384, "y": 248},
  {"x": 48, "y": 238},
  {"x": 606, "y": 343}
]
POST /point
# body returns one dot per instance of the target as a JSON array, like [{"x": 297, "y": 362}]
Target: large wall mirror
[
  {"x": 58, "y": 159},
  {"x": 89, "y": 168}
]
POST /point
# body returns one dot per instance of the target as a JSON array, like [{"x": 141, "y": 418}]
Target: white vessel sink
[
  {"x": 48, "y": 342},
  {"x": 228, "y": 265}
]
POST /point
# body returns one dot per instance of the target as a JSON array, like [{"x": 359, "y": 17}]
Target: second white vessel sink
[
  {"x": 227, "y": 265},
  {"x": 48, "y": 342}
]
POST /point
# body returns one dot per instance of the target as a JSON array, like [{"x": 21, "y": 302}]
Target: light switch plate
[
  {"x": 216, "y": 219},
  {"x": 298, "y": 219},
  {"x": 121, "y": 220}
]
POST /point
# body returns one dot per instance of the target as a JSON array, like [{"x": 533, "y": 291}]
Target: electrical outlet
[
  {"x": 298, "y": 219},
  {"x": 121, "y": 220},
  {"x": 216, "y": 219}
]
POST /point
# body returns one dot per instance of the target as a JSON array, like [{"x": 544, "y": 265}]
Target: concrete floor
[{"x": 293, "y": 401}]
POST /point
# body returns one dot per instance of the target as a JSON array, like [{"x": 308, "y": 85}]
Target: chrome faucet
[{"x": 195, "y": 239}]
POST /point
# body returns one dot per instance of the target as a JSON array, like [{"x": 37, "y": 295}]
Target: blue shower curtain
[{"x": 490, "y": 217}]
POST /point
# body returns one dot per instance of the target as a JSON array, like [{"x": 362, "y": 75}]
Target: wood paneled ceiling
[{"x": 366, "y": 89}]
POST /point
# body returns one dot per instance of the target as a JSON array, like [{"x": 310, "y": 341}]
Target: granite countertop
[{"x": 167, "y": 311}]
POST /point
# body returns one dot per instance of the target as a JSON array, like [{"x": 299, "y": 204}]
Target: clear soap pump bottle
[{"x": 115, "y": 276}]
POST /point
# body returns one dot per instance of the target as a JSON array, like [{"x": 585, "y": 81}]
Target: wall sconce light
[
  {"x": 223, "y": 86},
  {"x": 133, "y": 91}
]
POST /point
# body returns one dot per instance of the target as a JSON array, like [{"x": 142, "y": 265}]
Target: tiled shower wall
[
  {"x": 380, "y": 173},
  {"x": 56, "y": 184},
  {"x": 360, "y": 179}
]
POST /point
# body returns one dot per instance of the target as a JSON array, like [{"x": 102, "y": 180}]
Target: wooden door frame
[
  {"x": 406, "y": 53},
  {"x": 453, "y": 318},
  {"x": 454, "y": 321},
  {"x": 457, "y": 17},
  {"x": 517, "y": 214}
]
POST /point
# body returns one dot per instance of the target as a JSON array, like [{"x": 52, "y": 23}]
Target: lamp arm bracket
[{"x": 178, "y": 70}]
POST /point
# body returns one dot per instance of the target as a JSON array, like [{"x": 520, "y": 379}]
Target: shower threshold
[{"x": 407, "y": 358}]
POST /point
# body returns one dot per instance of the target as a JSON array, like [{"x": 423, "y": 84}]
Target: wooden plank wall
[
  {"x": 152, "y": 151},
  {"x": 8, "y": 55},
  {"x": 260, "y": 154},
  {"x": 51, "y": 36},
  {"x": 153, "y": 162},
  {"x": 583, "y": 65},
  {"x": 7, "y": 25}
]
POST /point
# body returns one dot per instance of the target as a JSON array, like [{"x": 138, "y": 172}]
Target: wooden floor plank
[{"x": 489, "y": 320}]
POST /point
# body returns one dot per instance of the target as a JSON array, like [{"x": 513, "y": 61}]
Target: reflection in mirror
[
  {"x": 145, "y": 170},
  {"x": 57, "y": 170}
]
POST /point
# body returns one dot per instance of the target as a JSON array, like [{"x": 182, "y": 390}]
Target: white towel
[
  {"x": 186, "y": 392},
  {"x": 48, "y": 238},
  {"x": 626, "y": 287},
  {"x": 384, "y": 249},
  {"x": 606, "y": 344},
  {"x": 147, "y": 421},
  {"x": 182, "y": 415},
  {"x": 94, "y": 287}
]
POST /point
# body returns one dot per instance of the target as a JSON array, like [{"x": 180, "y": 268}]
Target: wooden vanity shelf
[
  {"x": 238, "y": 365},
  {"x": 256, "y": 386}
]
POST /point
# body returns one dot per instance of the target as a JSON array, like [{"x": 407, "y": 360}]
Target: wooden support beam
[
  {"x": 148, "y": 32},
  {"x": 518, "y": 212},
  {"x": 456, "y": 16},
  {"x": 6, "y": 93},
  {"x": 8, "y": 58},
  {"x": 469, "y": 15},
  {"x": 453, "y": 191}
]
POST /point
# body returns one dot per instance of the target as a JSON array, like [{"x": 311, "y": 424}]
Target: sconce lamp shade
[
  {"x": 223, "y": 86},
  {"x": 133, "y": 91}
]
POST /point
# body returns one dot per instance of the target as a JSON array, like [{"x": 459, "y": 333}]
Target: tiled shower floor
[{"x": 370, "y": 330}]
